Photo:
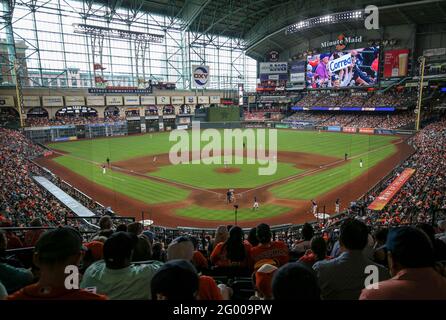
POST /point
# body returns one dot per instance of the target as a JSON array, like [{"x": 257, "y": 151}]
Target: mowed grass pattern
[
  {"x": 330, "y": 143},
  {"x": 315, "y": 185},
  {"x": 206, "y": 176},
  {"x": 117, "y": 148},
  {"x": 153, "y": 192},
  {"x": 244, "y": 214},
  {"x": 128, "y": 147},
  {"x": 142, "y": 189}
]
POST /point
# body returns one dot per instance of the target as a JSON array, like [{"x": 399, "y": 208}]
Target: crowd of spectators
[
  {"x": 21, "y": 199},
  {"x": 130, "y": 261},
  {"x": 369, "y": 100},
  {"x": 70, "y": 120},
  {"x": 425, "y": 192},
  {"x": 350, "y": 119}
]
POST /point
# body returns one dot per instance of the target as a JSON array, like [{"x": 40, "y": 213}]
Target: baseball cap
[
  {"x": 176, "y": 279},
  {"x": 96, "y": 248},
  {"x": 119, "y": 246},
  {"x": 324, "y": 55},
  {"x": 58, "y": 244},
  {"x": 264, "y": 279},
  {"x": 410, "y": 246},
  {"x": 180, "y": 248}
]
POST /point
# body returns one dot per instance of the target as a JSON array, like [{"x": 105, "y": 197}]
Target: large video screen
[{"x": 340, "y": 69}]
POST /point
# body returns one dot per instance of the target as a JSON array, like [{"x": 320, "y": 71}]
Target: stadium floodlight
[
  {"x": 117, "y": 33},
  {"x": 326, "y": 19}
]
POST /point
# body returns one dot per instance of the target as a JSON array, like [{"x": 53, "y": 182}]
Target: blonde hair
[{"x": 221, "y": 234}]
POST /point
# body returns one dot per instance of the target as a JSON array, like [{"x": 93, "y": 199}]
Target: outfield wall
[{"x": 141, "y": 125}]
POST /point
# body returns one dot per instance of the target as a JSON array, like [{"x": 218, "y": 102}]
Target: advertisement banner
[
  {"x": 191, "y": 100},
  {"x": 131, "y": 100},
  {"x": 297, "y": 67},
  {"x": 200, "y": 76},
  {"x": 297, "y": 77},
  {"x": 214, "y": 99},
  {"x": 31, "y": 101},
  {"x": 282, "y": 76},
  {"x": 130, "y": 90},
  {"x": 395, "y": 63},
  {"x": 95, "y": 101},
  {"x": 273, "y": 67},
  {"x": 334, "y": 128},
  {"x": 184, "y": 120},
  {"x": 6, "y": 101},
  {"x": 203, "y": 100},
  {"x": 177, "y": 100},
  {"x": 434, "y": 52},
  {"x": 148, "y": 100},
  {"x": 71, "y": 101},
  {"x": 380, "y": 202},
  {"x": 367, "y": 130},
  {"x": 349, "y": 129},
  {"x": 52, "y": 101},
  {"x": 162, "y": 100},
  {"x": 113, "y": 100},
  {"x": 383, "y": 131}
]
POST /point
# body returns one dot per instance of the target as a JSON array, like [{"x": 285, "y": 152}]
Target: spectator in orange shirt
[
  {"x": 221, "y": 234},
  {"x": 234, "y": 252},
  {"x": 55, "y": 250},
  {"x": 318, "y": 252},
  {"x": 198, "y": 260},
  {"x": 272, "y": 252}
]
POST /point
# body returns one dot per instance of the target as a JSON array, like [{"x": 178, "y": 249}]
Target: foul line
[
  {"x": 288, "y": 179},
  {"x": 130, "y": 172},
  {"x": 321, "y": 168}
]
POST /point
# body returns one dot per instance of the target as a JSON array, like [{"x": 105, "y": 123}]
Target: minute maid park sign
[{"x": 341, "y": 42}]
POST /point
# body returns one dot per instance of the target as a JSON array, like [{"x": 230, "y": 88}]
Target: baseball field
[{"x": 310, "y": 165}]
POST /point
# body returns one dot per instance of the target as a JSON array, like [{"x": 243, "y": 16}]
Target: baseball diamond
[{"x": 310, "y": 165}]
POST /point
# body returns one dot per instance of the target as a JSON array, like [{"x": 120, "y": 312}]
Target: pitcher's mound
[{"x": 227, "y": 170}]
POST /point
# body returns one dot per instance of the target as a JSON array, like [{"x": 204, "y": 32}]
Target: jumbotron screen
[{"x": 349, "y": 68}]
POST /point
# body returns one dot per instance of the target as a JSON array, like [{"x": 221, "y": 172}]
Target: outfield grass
[
  {"x": 142, "y": 189},
  {"x": 373, "y": 149},
  {"x": 128, "y": 147},
  {"x": 266, "y": 211},
  {"x": 330, "y": 143},
  {"x": 315, "y": 185},
  {"x": 206, "y": 176}
]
